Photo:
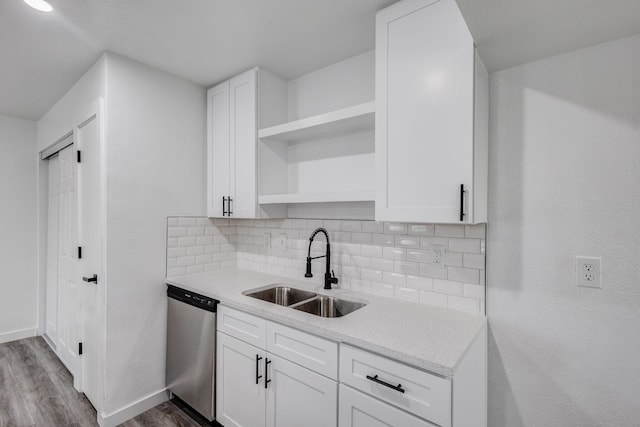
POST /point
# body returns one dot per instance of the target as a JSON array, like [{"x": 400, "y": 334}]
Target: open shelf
[
  {"x": 340, "y": 122},
  {"x": 323, "y": 197}
]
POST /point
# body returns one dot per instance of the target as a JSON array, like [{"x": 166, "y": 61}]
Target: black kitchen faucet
[{"x": 329, "y": 276}]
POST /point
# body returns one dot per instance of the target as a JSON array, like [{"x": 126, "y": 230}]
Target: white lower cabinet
[
  {"x": 298, "y": 397},
  {"x": 360, "y": 410},
  {"x": 256, "y": 388},
  {"x": 240, "y": 395}
]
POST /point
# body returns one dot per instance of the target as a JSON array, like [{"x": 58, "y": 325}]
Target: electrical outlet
[
  {"x": 279, "y": 242},
  {"x": 588, "y": 272},
  {"x": 438, "y": 254}
]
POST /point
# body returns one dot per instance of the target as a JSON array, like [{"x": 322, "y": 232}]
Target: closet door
[
  {"x": 51, "y": 328},
  {"x": 68, "y": 297}
]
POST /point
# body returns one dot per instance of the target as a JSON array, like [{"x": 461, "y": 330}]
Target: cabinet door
[
  {"x": 359, "y": 410},
  {"x": 424, "y": 112},
  {"x": 298, "y": 397},
  {"x": 218, "y": 156},
  {"x": 240, "y": 393},
  {"x": 243, "y": 135}
]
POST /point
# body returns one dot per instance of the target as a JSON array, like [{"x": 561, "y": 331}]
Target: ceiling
[{"x": 206, "y": 41}]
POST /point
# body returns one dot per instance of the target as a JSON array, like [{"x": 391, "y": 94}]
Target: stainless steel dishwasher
[{"x": 191, "y": 349}]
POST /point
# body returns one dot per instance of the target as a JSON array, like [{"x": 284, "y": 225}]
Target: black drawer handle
[
  {"x": 224, "y": 209},
  {"x": 93, "y": 279},
  {"x": 462, "y": 191},
  {"x": 386, "y": 384},
  {"x": 258, "y": 359},
  {"x": 266, "y": 373},
  {"x": 230, "y": 200}
]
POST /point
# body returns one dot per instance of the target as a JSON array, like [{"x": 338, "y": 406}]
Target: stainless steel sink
[
  {"x": 325, "y": 306},
  {"x": 281, "y": 295}
]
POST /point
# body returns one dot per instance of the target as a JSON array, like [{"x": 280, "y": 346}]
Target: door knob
[{"x": 93, "y": 279}]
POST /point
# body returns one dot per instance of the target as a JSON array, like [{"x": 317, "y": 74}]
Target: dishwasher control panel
[{"x": 192, "y": 298}]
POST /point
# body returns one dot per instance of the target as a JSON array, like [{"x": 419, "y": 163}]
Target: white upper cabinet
[
  {"x": 233, "y": 118},
  {"x": 431, "y": 116}
]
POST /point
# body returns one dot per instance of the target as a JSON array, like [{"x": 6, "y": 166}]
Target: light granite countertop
[{"x": 430, "y": 338}]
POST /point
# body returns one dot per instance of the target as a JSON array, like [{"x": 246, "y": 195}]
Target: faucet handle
[{"x": 333, "y": 279}]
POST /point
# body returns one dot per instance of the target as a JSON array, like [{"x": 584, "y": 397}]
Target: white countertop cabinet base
[{"x": 431, "y": 123}]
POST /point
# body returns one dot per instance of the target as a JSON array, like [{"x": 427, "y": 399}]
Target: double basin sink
[{"x": 309, "y": 302}]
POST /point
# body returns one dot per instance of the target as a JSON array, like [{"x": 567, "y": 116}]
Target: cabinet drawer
[
  {"x": 359, "y": 410},
  {"x": 245, "y": 327},
  {"x": 425, "y": 395},
  {"x": 312, "y": 352}
]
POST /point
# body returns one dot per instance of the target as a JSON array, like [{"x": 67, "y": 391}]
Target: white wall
[
  {"x": 18, "y": 195},
  {"x": 565, "y": 181},
  {"x": 156, "y": 168}
]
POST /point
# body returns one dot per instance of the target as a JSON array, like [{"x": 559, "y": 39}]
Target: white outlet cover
[
  {"x": 279, "y": 241},
  {"x": 589, "y": 272}
]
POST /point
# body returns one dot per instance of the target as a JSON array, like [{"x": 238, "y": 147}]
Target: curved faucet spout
[{"x": 329, "y": 277}]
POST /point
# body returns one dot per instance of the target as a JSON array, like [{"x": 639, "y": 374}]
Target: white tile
[
  {"x": 186, "y": 241},
  {"x": 176, "y": 231},
  {"x": 394, "y": 253},
  {"x": 312, "y": 224},
  {"x": 421, "y": 229},
  {"x": 418, "y": 255},
  {"x": 435, "y": 271},
  {"x": 406, "y": 294},
  {"x": 352, "y": 226},
  {"x": 427, "y": 242},
  {"x": 464, "y": 245},
  {"x": 372, "y": 227},
  {"x": 172, "y": 221},
  {"x": 404, "y": 267},
  {"x": 420, "y": 283},
  {"x": 473, "y": 261},
  {"x": 433, "y": 298},
  {"x": 394, "y": 279},
  {"x": 172, "y": 262},
  {"x": 395, "y": 227},
  {"x": 186, "y": 260},
  {"x": 212, "y": 266},
  {"x": 447, "y": 287},
  {"x": 172, "y": 242},
  {"x": 449, "y": 230},
  {"x": 371, "y": 251},
  {"x": 477, "y": 231},
  {"x": 333, "y": 224},
  {"x": 220, "y": 221},
  {"x": 350, "y": 272},
  {"x": 176, "y": 252},
  {"x": 204, "y": 259},
  {"x": 361, "y": 286},
  {"x": 382, "y": 239},
  {"x": 407, "y": 241},
  {"x": 187, "y": 222},
  {"x": 382, "y": 264},
  {"x": 361, "y": 237},
  {"x": 361, "y": 261},
  {"x": 371, "y": 275},
  {"x": 474, "y": 291},
  {"x": 453, "y": 259},
  {"x": 204, "y": 240},
  {"x": 204, "y": 222},
  {"x": 466, "y": 275},
  {"x": 195, "y": 250},
  {"x": 383, "y": 290},
  {"x": 463, "y": 304}
]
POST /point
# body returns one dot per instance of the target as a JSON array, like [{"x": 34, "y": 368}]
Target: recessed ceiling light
[{"x": 40, "y": 5}]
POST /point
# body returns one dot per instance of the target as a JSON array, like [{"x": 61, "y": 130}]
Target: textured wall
[{"x": 565, "y": 181}]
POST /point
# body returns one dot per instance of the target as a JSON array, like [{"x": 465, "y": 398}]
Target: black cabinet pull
[
  {"x": 224, "y": 210},
  {"x": 92, "y": 279},
  {"x": 258, "y": 359},
  {"x": 230, "y": 200},
  {"x": 386, "y": 384},
  {"x": 462, "y": 191},
  {"x": 266, "y": 372}
]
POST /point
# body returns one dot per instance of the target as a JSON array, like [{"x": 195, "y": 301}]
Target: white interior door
[
  {"x": 69, "y": 309},
  {"x": 91, "y": 237},
  {"x": 51, "y": 328}
]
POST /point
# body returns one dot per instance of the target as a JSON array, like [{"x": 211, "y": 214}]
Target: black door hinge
[
  {"x": 79, "y": 156},
  {"x": 79, "y": 252},
  {"x": 79, "y": 349}
]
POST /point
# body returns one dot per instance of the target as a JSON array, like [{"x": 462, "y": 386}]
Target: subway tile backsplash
[{"x": 388, "y": 259}]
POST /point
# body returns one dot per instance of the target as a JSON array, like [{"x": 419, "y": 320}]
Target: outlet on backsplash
[{"x": 438, "y": 254}]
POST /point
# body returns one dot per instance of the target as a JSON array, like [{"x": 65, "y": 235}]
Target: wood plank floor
[{"x": 37, "y": 390}]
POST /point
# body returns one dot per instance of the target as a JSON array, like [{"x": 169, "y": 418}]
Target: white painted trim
[
  {"x": 18, "y": 335},
  {"x": 133, "y": 410}
]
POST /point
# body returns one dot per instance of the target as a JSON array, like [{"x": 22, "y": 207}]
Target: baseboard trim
[
  {"x": 133, "y": 410},
  {"x": 18, "y": 335}
]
